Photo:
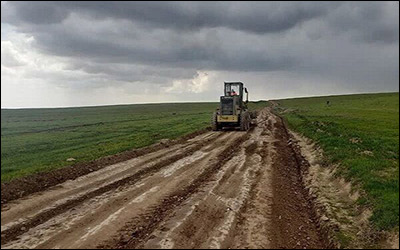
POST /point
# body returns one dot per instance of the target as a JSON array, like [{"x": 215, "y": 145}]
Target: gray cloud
[
  {"x": 367, "y": 21},
  {"x": 254, "y": 17},
  {"x": 369, "y": 18},
  {"x": 160, "y": 43}
]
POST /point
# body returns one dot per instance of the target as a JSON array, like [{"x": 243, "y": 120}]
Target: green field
[
  {"x": 360, "y": 133},
  {"x": 35, "y": 140}
]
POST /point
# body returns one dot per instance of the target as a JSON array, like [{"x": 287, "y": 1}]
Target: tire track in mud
[
  {"x": 58, "y": 195},
  {"x": 253, "y": 220},
  {"x": 137, "y": 232},
  {"x": 218, "y": 190},
  {"x": 295, "y": 223},
  {"x": 13, "y": 232},
  {"x": 236, "y": 177},
  {"x": 209, "y": 219},
  {"x": 123, "y": 205},
  {"x": 25, "y": 186},
  {"x": 186, "y": 226},
  {"x": 275, "y": 212}
]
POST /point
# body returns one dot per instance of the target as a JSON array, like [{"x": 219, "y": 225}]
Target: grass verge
[{"x": 359, "y": 133}]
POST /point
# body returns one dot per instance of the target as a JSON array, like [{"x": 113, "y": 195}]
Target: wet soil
[{"x": 225, "y": 189}]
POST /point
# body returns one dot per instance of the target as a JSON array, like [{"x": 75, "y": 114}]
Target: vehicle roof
[{"x": 234, "y": 83}]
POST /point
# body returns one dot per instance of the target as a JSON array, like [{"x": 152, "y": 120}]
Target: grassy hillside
[
  {"x": 34, "y": 140},
  {"x": 361, "y": 133}
]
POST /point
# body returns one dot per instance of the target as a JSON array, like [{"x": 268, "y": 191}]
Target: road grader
[{"x": 232, "y": 111}]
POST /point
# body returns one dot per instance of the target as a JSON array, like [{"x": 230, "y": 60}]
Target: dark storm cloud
[
  {"x": 367, "y": 21},
  {"x": 366, "y": 17},
  {"x": 161, "y": 41},
  {"x": 255, "y": 17},
  {"x": 46, "y": 21},
  {"x": 178, "y": 50}
]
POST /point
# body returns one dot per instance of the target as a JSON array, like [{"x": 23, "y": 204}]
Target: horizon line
[{"x": 189, "y": 102}]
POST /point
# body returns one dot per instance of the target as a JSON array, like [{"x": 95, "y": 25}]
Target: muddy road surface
[{"x": 227, "y": 189}]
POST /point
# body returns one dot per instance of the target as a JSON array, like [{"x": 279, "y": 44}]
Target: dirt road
[{"x": 217, "y": 190}]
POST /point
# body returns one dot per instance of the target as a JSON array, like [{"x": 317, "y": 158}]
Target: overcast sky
[{"x": 93, "y": 53}]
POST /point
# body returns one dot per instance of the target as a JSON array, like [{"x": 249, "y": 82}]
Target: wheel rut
[{"x": 229, "y": 189}]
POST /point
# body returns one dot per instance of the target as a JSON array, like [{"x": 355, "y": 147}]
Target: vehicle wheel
[
  {"x": 214, "y": 122},
  {"x": 248, "y": 121},
  {"x": 244, "y": 121}
]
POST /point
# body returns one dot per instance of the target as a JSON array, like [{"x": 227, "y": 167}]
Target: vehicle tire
[
  {"x": 249, "y": 121},
  {"x": 244, "y": 121},
  {"x": 214, "y": 122}
]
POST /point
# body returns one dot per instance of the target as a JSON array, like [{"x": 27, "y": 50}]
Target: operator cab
[
  {"x": 235, "y": 89},
  {"x": 232, "y": 101}
]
